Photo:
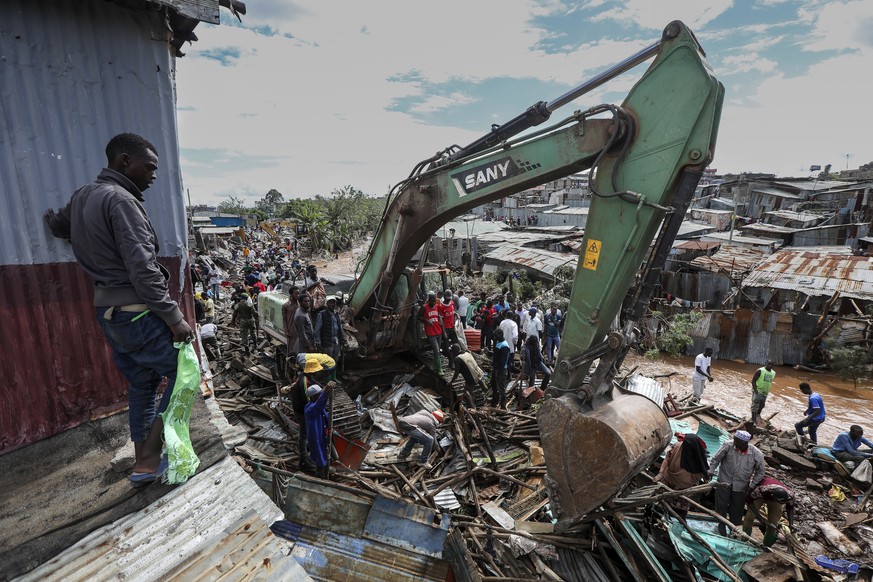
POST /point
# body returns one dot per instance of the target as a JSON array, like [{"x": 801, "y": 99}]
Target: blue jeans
[
  {"x": 812, "y": 425},
  {"x": 143, "y": 352},
  {"x": 553, "y": 344},
  {"x": 416, "y": 435}
]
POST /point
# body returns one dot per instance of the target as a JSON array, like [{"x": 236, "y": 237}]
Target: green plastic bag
[{"x": 183, "y": 462}]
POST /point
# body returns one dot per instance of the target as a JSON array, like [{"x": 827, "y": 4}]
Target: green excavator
[{"x": 646, "y": 158}]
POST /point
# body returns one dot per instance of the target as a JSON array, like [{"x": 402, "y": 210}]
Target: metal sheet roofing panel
[
  {"x": 796, "y": 216},
  {"x": 816, "y": 271},
  {"x": 730, "y": 258},
  {"x": 74, "y": 73},
  {"x": 202, "y": 10},
  {"x": 149, "y": 544},
  {"x": 746, "y": 240},
  {"x": 777, "y": 193},
  {"x": 814, "y": 185},
  {"x": 335, "y": 557},
  {"x": 537, "y": 259}
]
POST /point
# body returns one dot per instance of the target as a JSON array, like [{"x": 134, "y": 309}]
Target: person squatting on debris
[
  {"x": 501, "y": 361},
  {"x": 465, "y": 364},
  {"x": 846, "y": 445},
  {"x": 433, "y": 329},
  {"x": 317, "y": 427},
  {"x": 209, "y": 337},
  {"x": 245, "y": 314},
  {"x": 815, "y": 414},
  {"x": 702, "y": 373},
  {"x": 778, "y": 499},
  {"x": 741, "y": 466},
  {"x": 421, "y": 428},
  {"x": 762, "y": 381},
  {"x": 684, "y": 466},
  {"x": 115, "y": 243},
  {"x": 329, "y": 334}
]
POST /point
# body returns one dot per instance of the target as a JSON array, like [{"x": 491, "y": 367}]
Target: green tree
[
  {"x": 848, "y": 361},
  {"x": 271, "y": 202},
  {"x": 672, "y": 335},
  {"x": 233, "y": 205}
]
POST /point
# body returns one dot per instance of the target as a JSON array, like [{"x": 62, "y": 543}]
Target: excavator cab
[{"x": 646, "y": 158}]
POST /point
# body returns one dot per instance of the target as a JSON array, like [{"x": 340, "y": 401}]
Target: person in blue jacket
[
  {"x": 815, "y": 414},
  {"x": 317, "y": 423}
]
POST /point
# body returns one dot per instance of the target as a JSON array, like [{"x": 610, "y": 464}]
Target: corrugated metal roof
[
  {"x": 151, "y": 543},
  {"x": 537, "y": 259},
  {"x": 688, "y": 228},
  {"x": 695, "y": 245},
  {"x": 202, "y": 10},
  {"x": 74, "y": 74},
  {"x": 814, "y": 185},
  {"x": 729, "y": 258},
  {"x": 768, "y": 228},
  {"x": 796, "y": 216},
  {"x": 816, "y": 271},
  {"x": 648, "y": 387},
  {"x": 568, "y": 210},
  {"x": 777, "y": 193},
  {"x": 746, "y": 240}
]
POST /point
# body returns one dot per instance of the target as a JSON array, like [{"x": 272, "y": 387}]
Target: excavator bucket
[{"x": 593, "y": 454}]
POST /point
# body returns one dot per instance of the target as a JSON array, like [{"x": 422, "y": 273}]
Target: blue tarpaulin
[{"x": 733, "y": 552}]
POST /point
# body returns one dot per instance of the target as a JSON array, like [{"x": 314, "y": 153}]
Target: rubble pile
[{"x": 488, "y": 475}]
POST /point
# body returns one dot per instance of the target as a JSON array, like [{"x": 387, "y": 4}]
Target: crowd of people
[{"x": 509, "y": 331}]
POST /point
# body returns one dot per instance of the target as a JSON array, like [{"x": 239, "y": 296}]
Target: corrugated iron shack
[{"x": 74, "y": 74}]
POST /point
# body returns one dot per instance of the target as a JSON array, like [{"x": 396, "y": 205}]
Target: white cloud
[
  {"x": 745, "y": 63},
  {"x": 841, "y": 26},
  {"x": 654, "y": 15},
  {"x": 814, "y": 119}
]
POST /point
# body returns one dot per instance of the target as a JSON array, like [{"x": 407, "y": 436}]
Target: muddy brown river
[{"x": 731, "y": 390}]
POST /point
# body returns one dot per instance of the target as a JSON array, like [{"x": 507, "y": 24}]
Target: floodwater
[{"x": 731, "y": 390}]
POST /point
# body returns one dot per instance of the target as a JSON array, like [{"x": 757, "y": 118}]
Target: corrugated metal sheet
[
  {"x": 537, "y": 259},
  {"x": 752, "y": 241},
  {"x": 796, "y": 216},
  {"x": 814, "y": 185},
  {"x": 695, "y": 245},
  {"x": 202, "y": 10},
  {"x": 336, "y": 557},
  {"x": 74, "y": 74},
  {"x": 816, "y": 271},
  {"x": 777, "y": 193},
  {"x": 648, "y": 387},
  {"x": 151, "y": 543},
  {"x": 729, "y": 258}
]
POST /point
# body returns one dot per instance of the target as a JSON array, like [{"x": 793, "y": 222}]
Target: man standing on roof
[
  {"x": 761, "y": 384},
  {"x": 317, "y": 428},
  {"x": 702, "y": 373},
  {"x": 815, "y": 414},
  {"x": 115, "y": 243},
  {"x": 740, "y": 467}
]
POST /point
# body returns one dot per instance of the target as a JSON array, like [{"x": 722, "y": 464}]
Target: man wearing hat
[
  {"x": 421, "y": 428},
  {"x": 329, "y": 335},
  {"x": 317, "y": 423},
  {"x": 762, "y": 380},
  {"x": 740, "y": 468},
  {"x": 319, "y": 367}
]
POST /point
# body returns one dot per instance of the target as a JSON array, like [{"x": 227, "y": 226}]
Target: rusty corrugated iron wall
[{"x": 73, "y": 74}]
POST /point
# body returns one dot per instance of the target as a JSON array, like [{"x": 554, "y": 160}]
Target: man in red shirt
[
  {"x": 447, "y": 314},
  {"x": 433, "y": 328}
]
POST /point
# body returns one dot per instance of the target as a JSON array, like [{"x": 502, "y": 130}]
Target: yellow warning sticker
[{"x": 592, "y": 254}]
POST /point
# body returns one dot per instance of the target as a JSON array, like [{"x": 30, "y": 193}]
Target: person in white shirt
[
  {"x": 702, "y": 365},
  {"x": 463, "y": 306},
  {"x": 534, "y": 325},
  {"x": 209, "y": 337},
  {"x": 510, "y": 330}
]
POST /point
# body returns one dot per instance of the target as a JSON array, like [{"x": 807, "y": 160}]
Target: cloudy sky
[{"x": 309, "y": 96}]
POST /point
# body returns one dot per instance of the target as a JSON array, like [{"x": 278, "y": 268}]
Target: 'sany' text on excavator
[{"x": 646, "y": 157}]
